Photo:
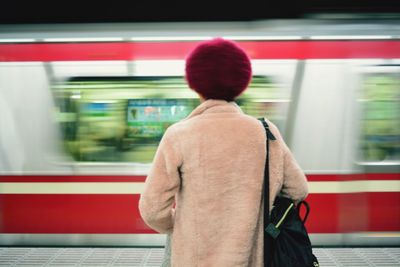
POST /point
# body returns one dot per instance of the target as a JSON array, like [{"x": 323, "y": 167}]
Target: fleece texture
[{"x": 205, "y": 186}]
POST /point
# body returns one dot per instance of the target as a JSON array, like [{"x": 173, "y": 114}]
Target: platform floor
[{"x": 69, "y": 256}]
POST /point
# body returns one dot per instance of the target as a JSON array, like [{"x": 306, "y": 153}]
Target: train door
[{"x": 29, "y": 134}]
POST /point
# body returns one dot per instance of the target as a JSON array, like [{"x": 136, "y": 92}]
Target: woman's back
[
  {"x": 218, "y": 218},
  {"x": 221, "y": 187}
]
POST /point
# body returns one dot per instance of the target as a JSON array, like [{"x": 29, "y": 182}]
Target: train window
[
  {"x": 122, "y": 119},
  {"x": 380, "y": 125}
]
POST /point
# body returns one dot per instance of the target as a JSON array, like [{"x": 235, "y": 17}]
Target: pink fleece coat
[{"x": 211, "y": 165}]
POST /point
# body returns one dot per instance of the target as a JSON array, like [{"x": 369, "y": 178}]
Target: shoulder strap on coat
[
  {"x": 266, "y": 126},
  {"x": 267, "y": 243}
]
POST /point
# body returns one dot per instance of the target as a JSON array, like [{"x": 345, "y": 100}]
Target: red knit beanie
[{"x": 218, "y": 69}]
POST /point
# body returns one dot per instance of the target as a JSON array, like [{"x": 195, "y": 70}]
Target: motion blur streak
[{"x": 82, "y": 110}]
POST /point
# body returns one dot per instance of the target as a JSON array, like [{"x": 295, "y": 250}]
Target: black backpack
[
  {"x": 287, "y": 236},
  {"x": 286, "y": 241}
]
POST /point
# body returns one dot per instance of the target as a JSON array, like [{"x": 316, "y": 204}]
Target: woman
[{"x": 205, "y": 184}]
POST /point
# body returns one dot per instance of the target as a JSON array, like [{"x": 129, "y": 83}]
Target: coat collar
[{"x": 215, "y": 106}]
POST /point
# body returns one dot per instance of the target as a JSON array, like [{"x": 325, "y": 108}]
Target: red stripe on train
[
  {"x": 68, "y": 214},
  {"x": 179, "y": 50},
  {"x": 71, "y": 178},
  {"x": 352, "y": 177},
  {"x": 357, "y": 212},
  {"x": 142, "y": 178},
  {"x": 115, "y": 213}
]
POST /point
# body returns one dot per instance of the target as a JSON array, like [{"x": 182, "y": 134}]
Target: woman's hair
[{"x": 218, "y": 69}]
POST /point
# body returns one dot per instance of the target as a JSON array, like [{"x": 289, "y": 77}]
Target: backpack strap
[
  {"x": 267, "y": 248},
  {"x": 307, "y": 210},
  {"x": 267, "y": 130}
]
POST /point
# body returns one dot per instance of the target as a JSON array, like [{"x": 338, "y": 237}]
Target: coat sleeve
[
  {"x": 294, "y": 184},
  {"x": 162, "y": 183},
  {"x": 294, "y": 181}
]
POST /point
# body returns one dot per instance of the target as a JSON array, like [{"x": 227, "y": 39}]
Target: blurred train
[{"x": 83, "y": 107}]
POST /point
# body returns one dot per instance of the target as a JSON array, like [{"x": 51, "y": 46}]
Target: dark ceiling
[{"x": 17, "y": 11}]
